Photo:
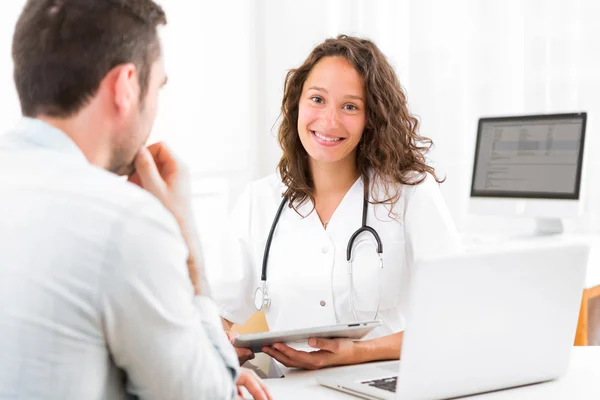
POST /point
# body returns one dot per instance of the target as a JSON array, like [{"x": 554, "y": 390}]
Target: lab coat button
[
  {"x": 322, "y": 303},
  {"x": 324, "y": 250}
]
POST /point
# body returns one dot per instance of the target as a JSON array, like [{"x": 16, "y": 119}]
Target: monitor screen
[{"x": 536, "y": 156}]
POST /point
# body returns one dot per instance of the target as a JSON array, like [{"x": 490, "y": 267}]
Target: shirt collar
[{"x": 43, "y": 135}]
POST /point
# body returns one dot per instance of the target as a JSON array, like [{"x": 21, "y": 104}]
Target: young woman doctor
[{"x": 352, "y": 158}]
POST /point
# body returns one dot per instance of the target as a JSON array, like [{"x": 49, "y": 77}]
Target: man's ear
[{"x": 126, "y": 87}]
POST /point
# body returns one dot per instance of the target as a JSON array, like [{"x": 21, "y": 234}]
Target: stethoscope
[{"x": 261, "y": 295}]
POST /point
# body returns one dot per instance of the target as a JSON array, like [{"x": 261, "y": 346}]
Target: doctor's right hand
[{"x": 243, "y": 354}]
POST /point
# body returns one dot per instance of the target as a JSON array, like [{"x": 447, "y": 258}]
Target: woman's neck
[{"x": 333, "y": 178}]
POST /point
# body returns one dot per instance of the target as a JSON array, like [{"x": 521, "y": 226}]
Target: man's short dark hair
[{"x": 62, "y": 49}]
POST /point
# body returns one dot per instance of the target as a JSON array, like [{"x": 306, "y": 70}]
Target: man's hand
[
  {"x": 243, "y": 354},
  {"x": 253, "y": 384},
  {"x": 158, "y": 171}
]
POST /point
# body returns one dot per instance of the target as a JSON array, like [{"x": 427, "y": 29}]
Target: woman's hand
[
  {"x": 243, "y": 354},
  {"x": 331, "y": 352}
]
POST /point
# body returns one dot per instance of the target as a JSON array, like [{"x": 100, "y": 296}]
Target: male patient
[{"x": 101, "y": 289}]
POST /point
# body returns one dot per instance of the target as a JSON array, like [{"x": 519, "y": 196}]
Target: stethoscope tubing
[{"x": 265, "y": 301}]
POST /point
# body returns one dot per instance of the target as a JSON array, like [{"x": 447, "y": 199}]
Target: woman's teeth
[{"x": 325, "y": 138}]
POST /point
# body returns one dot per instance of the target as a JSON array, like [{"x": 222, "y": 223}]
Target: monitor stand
[{"x": 548, "y": 226}]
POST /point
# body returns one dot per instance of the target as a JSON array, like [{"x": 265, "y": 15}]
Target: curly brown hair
[{"x": 390, "y": 149}]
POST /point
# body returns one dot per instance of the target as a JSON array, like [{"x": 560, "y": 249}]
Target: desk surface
[{"x": 582, "y": 381}]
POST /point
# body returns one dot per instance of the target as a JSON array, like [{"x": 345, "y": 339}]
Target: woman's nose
[{"x": 332, "y": 118}]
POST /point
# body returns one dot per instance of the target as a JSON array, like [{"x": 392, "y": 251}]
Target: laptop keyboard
[{"x": 388, "y": 384}]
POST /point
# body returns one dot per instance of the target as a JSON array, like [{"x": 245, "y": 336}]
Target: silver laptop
[{"x": 481, "y": 322}]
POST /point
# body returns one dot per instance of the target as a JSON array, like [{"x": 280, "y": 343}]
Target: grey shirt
[{"x": 95, "y": 297}]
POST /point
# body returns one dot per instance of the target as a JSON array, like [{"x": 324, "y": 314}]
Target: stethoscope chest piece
[{"x": 261, "y": 297}]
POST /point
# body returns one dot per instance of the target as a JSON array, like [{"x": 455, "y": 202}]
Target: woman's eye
[
  {"x": 317, "y": 99},
  {"x": 350, "y": 107}
]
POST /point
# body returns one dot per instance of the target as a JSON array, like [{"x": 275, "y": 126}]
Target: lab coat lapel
[
  {"x": 299, "y": 277},
  {"x": 347, "y": 218}
]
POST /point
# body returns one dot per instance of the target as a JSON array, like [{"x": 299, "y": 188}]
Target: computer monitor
[{"x": 530, "y": 166}]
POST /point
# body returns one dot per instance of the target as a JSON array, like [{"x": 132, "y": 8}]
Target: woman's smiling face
[{"x": 331, "y": 111}]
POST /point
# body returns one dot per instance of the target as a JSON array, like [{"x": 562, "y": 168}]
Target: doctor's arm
[
  {"x": 429, "y": 229},
  {"x": 335, "y": 352}
]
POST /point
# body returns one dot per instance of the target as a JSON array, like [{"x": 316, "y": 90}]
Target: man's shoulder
[
  {"x": 139, "y": 223},
  {"x": 83, "y": 190},
  {"x": 125, "y": 198}
]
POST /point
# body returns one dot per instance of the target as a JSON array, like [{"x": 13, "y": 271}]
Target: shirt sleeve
[
  {"x": 429, "y": 228},
  {"x": 169, "y": 343},
  {"x": 234, "y": 280}
]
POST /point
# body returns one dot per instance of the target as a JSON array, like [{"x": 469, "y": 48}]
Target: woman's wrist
[
  {"x": 383, "y": 348},
  {"x": 364, "y": 351}
]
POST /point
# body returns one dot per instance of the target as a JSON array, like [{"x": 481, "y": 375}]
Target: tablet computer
[{"x": 354, "y": 330}]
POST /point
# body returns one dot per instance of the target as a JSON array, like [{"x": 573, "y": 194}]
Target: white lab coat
[{"x": 307, "y": 273}]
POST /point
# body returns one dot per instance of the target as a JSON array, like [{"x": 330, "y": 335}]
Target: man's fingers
[
  {"x": 252, "y": 383},
  {"x": 160, "y": 151},
  {"x": 265, "y": 389},
  {"x": 135, "y": 179},
  {"x": 148, "y": 174},
  {"x": 261, "y": 383},
  {"x": 167, "y": 162}
]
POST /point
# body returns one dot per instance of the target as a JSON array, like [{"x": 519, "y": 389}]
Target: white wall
[
  {"x": 458, "y": 60},
  {"x": 9, "y": 102},
  {"x": 227, "y": 63},
  {"x": 233, "y": 56},
  {"x": 472, "y": 58}
]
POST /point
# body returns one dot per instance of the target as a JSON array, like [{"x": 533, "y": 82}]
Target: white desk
[{"x": 582, "y": 381}]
